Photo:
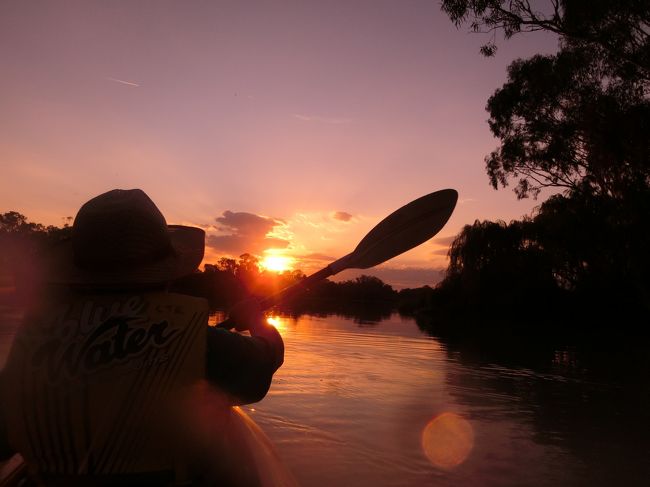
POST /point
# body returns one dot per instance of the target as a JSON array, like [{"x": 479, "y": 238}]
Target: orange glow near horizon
[
  {"x": 281, "y": 156},
  {"x": 447, "y": 440}
]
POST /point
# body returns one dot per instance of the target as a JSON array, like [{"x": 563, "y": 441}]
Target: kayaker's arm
[
  {"x": 247, "y": 315},
  {"x": 243, "y": 366}
]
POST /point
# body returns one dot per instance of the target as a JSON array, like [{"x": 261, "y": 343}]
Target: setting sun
[{"x": 277, "y": 263}]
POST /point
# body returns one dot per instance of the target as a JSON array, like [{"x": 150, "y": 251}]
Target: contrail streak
[{"x": 123, "y": 82}]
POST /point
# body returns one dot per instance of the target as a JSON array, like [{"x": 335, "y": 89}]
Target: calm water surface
[{"x": 351, "y": 402}]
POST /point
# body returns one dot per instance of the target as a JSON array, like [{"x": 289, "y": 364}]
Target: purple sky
[{"x": 307, "y": 121}]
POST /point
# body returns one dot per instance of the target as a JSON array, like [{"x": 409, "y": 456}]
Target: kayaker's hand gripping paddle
[{"x": 402, "y": 230}]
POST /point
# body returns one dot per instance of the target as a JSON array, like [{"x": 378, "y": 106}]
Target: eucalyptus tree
[{"x": 576, "y": 120}]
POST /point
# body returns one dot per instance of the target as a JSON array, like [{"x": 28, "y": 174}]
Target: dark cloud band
[
  {"x": 342, "y": 216},
  {"x": 245, "y": 232}
]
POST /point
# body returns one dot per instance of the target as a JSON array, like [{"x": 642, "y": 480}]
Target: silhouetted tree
[
  {"x": 616, "y": 31},
  {"x": 584, "y": 257},
  {"x": 366, "y": 299},
  {"x": 367, "y": 288},
  {"x": 227, "y": 265},
  {"x": 500, "y": 263},
  {"x": 21, "y": 241},
  {"x": 15, "y": 227},
  {"x": 20, "y": 238},
  {"x": 248, "y": 270},
  {"x": 416, "y": 300},
  {"x": 577, "y": 120},
  {"x": 563, "y": 124},
  {"x": 597, "y": 246},
  {"x": 220, "y": 287}
]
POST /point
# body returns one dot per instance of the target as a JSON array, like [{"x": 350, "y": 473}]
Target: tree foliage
[
  {"x": 561, "y": 126},
  {"x": 585, "y": 257},
  {"x": 231, "y": 279},
  {"x": 500, "y": 257},
  {"x": 19, "y": 238},
  {"x": 21, "y": 241},
  {"x": 616, "y": 31},
  {"x": 14, "y": 225},
  {"x": 576, "y": 120}
]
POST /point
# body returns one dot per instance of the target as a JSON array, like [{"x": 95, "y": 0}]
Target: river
[
  {"x": 383, "y": 404},
  {"x": 352, "y": 401}
]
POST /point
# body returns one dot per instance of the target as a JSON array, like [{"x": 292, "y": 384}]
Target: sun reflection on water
[
  {"x": 447, "y": 440},
  {"x": 275, "y": 321}
]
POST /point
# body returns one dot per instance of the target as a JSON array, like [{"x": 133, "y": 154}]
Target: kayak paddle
[{"x": 402, "y": 230}]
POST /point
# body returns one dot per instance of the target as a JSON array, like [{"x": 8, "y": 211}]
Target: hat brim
[{"x": 188, "y": 244}]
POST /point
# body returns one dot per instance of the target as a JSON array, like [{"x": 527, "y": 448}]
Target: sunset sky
[{"x": 286, "y": 125}]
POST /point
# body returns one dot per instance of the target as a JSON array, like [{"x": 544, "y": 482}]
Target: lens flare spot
[{"x": 447, "y": 440}]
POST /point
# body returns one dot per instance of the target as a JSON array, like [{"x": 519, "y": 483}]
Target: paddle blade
[{"x": 404, "y": 229}]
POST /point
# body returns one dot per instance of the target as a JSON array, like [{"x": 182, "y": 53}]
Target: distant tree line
[
  {"x": 20, "y": 242},
  {"x": 222, "y": 283},
  {"x": 16, "y": 231},
  {"x": 230, "y": 279},
  {"x": 568, "y": 262}
]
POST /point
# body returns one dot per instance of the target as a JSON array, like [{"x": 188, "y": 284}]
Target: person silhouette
[{"x": 107, "y": 356}]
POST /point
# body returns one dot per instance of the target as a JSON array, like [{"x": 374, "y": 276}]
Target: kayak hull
[{"x": 242, "y": 456}]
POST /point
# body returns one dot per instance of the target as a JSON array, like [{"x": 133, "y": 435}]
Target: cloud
[
  {"x": 121, "y": 81},
  {"x": 315, "y": 256},
  {"x": 446, "y": 241},
  {"x": 316, "y": 118},
  {"x": 242, "y": 232},
  {"x": 247, "y": 223},
  {"x": 342, "y": 216},
  {"x": 240, "y": 244},
  {"x": 204, "y": 226},
  {"x": 443, "y": 252}
]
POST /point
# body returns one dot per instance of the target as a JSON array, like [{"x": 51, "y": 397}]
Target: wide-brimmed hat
[{"x": 121, "y": 238}]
